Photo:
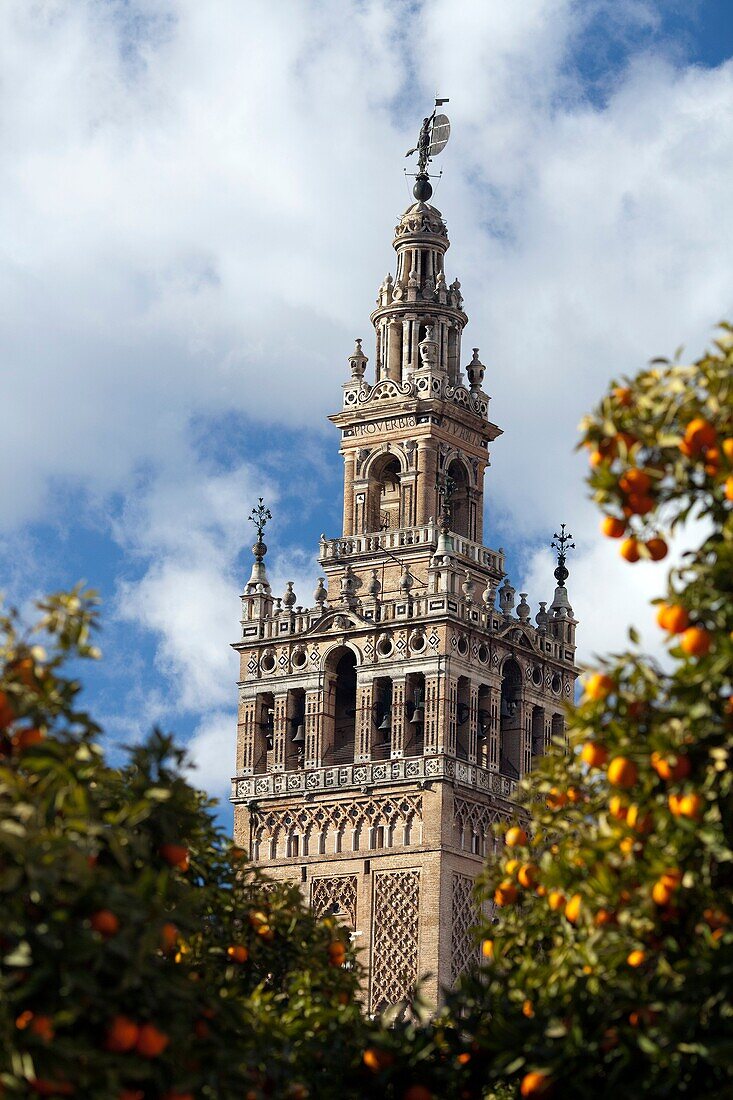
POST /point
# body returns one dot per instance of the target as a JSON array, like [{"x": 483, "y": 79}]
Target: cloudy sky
[{"x": 197, "y": 209}]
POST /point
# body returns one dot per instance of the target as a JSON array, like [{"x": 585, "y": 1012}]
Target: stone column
[
  {"x": 398, "y": 718},
  {"x": 526, "y": 745},
  {"x": 432, "y": 713},
  {"x": 246, "y": 736},
  {"x": 364, "y": 721},
  {"x": 449, "y": 723},
  {"x": 427, "y": 461},
  {"x": 495, "y": 730},
  {"x": 473, "y": 724},
  {"x": 313, "y": 728},
  {"x": 349, "y": 472},
  {"x": 280, "y": 733}
]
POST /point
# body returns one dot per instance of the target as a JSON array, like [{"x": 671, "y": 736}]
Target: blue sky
[{"x": 198, "y": 210}]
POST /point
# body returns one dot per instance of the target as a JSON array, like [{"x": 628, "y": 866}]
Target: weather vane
[
  {"x": 259, "y": 516},
  {"x": 561, "y": 543},
  {"x": 433, "y": 138}
]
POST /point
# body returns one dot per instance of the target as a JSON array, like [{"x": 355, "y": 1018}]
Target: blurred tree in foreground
[
  {"x": 611, "y": 962},
  {"x": 139, "y": 956}
]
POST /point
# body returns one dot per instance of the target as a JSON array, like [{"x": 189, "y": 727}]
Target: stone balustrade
[
  {"x": 345, "y": 550},
  {"x": 374, "y": 773}
]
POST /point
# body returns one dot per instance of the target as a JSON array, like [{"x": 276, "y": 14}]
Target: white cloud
[
  {"x": 211, "y": 753},
  {"x": 197, "y": 210}
]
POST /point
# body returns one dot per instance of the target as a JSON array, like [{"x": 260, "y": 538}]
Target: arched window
[
  {"x": 339, "y": 719},
  {"x": 459, "y": 502},
  {"x": 384, "y": 511},
  {"x": 510, "y": 746}
]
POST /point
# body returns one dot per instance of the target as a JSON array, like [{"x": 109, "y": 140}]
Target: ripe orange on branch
[
  {"x": 657, "y": 549},
  {"x": 593, "y": 754},
  {"x": 505, "y": 893},
  {"x": 673, "y": 618},
  {"x": 122, "y": 1035},
  {"x": 629, "y": 550},
  {"x": 622, "y": 772},
  {"x": 696, "y": 641},
  {"x": 634, "y": 482},
  {"x": 105, "y": 922},
  {"x": 599, "y": 686},
  {"x": 151, "y": 1041},
  {"x": 238, "y": 953},
  {"x": 612, "y": 527},
  {"x": 573, "y": 907},
  {"x": 535, "y": 1084},
  {"x": 175, "y": 855},
  {"x": 515, "y": 836},
  {"x": 699, "y": 435}
]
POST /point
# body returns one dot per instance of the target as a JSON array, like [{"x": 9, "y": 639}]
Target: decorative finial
[
  {"x": 259, "y": 516},
  {"x": 561, "y": 543},
  {"x": 434, "y": 134}
]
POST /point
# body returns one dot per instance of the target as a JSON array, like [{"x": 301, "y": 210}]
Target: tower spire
[{"x": 561, "y": 543}]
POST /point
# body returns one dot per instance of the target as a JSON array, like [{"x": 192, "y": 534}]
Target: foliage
[
  {"x": 141, "y": 957},
  {"x": 611, "y": 960}
]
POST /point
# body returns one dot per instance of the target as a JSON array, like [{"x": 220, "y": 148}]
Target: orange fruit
[
  {"x": 336, "y": 953},
  {"x": 105, "y": 922},
  {"x": 657, "y": 549},
  {"x": 622, "y": 772},
  {"x": 7, "y": 714},
  {"x": 727, "y": 448},
  {"x": 627, "y": 845},
  {"x": 595, "y": 458},
  {"x": 168, "y": 936},
  {"x": 151, "y": 1042},
  {"x": 613, "y": 528},
  {"x": 634, "y": 482},
  {"x": 238, "y": 953},
  {"x": 42, "y": 1026},
  {"x": 593, "y": 754},
  {"x": 729, "y": 488},
  {"x": 175, "y": 855},
  {"x": 573, "y": 907},
  {"x": 535, "y": 1084},
  {"x": 639, "y": 821},
  {"x": 675, "y": 767},
  {"x": 616, "y": 807},
  {"x": 515, "y": 836},
  {"x": 604, "y": 917},
  {"x": 712, "y": 461},
  {"x": 556, "y": 798},
  {"x": 690, "y": 805},
  {"x": 528, "y": 1009},
  {"x": 598, "y": 686},
  {"x": 673, "y": 618},
  {"x": 122, "y": 1035},
  {"x": 672, "y": 877},
  {"x": 699, "y": 435},
  {"x": 629, "y": 550},
  {"x": 574, "y": 795},
  {"x": 487, "y": 949},
  {"x": 527, "y": 875},
  {"x": 505, "y": 893},
  {"x": 376, "y": 1059},
  {"x": 27, "y": 738},
  {"x": 556, "y": 900},
  {"x": 696, "y": 641},
  {"x": 639, "y": 504},
  {"x": 623, "y": 395},
  {"x": 636, "y": 958},
  {"x": 511, "y": 866},
  {"x": 661, "y": 893}
]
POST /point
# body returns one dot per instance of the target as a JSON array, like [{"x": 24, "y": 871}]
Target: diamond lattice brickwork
[
  {"x": 464, "y": 949},
  {"x": 394, "y": 937}
]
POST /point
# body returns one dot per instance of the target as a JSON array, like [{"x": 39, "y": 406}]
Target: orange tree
[
  {"x": 139, "y": 956},
  {"x": 609, "y": 962}
]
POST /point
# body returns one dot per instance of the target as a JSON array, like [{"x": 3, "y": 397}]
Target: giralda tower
[{"x": 381, "y": 730}]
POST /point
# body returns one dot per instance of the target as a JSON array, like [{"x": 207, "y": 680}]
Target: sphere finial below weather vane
[
  {"x": 434, "y": 134},
  {"x": 562, "y": 543}
]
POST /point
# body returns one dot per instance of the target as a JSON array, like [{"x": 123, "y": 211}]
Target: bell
[
  {"x": 462, "y": 713},
  {"x": 386, "y": 724},
  {"x": 483, "y": 732},
  {"x": 299, "y": 736},
  {"x": 418, "y": 714}
]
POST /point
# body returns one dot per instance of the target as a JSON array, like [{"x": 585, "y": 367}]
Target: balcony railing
[
  {"x": 354, "y": 546},
  {"x": 372, "y": 773}
]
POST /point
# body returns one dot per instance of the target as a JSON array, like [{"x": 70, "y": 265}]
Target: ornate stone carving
[
  {"x": 335, "y": 894},
  {"x": 464, "y": 916},
  {"x": 395, "y": 925}
]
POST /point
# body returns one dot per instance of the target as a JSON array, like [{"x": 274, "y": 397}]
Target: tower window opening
[
  {"x": 339, "y": 711},
  {"x": 510, "y": 744},
  {"x": 414, "y": 714},
  {"x": 459, "y": 504},
  {"x": 385, "y": 497}
]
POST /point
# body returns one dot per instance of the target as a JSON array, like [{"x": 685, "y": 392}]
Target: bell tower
[{"x": 382, "y": 729}]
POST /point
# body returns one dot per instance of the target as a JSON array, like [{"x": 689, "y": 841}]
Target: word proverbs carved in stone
[{"x": 395, "y": 423}]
